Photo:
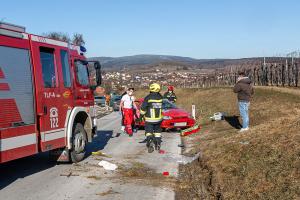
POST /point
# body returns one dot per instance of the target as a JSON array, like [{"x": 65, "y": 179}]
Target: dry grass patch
[
  {"x": 110, "y": 191},
  {"x": 261, "y": 164},
  {"x": 94, "y": 177}
]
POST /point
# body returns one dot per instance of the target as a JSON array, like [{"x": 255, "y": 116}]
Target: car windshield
[
  {"x": 99, "y": 97},
  {"x": 168, "y": 105}
]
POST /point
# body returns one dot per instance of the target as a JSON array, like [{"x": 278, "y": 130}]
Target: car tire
[{"x": 79, "y": 141}]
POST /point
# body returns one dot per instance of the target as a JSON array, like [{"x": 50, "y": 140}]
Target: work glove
[{"x": 140, "y": 119}]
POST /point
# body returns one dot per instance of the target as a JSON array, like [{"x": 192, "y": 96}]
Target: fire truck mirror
[
  {"x": 84, "y": 62},
  {"x": 97, "y": 66}
]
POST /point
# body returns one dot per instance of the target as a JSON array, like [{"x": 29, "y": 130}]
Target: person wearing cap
[
  {"x": 151, "y": 111},
  {"x": 170, "y": 95},
  {"x": 244, "y": 90}
]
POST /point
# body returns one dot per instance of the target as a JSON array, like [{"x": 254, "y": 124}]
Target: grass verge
[{"x": 263, "y": 163}]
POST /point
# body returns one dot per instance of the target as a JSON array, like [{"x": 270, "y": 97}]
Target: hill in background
[{"x": 137, "y": 61}]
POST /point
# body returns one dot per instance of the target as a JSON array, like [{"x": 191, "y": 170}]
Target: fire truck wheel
[{"x": 79, "y": 143}]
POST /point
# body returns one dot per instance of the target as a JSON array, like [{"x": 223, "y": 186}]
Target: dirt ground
[{"x": 263, "y": 163}]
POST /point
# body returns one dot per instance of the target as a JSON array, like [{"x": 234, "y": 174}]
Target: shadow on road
[
  {"x": 100, "y": 141},
  {"x": 17, "y": 169},
  {"x": 21, "y": 168},
  {"x": 233, "y": 121}
]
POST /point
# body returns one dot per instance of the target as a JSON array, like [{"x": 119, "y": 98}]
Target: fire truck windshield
[{"x": 82, "y": 73}]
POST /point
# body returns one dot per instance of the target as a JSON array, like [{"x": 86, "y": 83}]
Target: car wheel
[{"x": 79, "y": 142}]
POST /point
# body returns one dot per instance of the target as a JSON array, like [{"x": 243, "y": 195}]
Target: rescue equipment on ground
[
  {"x": 218, "y": 116},
  {"x": 194, "y": 129}
]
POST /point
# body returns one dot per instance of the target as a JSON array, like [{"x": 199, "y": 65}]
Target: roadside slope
[{"x": 261, "y": 164}]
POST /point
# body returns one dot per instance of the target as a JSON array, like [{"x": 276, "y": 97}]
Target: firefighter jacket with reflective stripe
[
  {"x": 152, "y": 108},
  {"x": 170, "y": 96}
]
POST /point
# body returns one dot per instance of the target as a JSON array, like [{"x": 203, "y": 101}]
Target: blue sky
[{"x": 194, "y": 28}]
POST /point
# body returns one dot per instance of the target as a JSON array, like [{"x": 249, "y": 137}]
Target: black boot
[
  {"x": 157, "y": 143},
  {"x": 150, "y": 144},
  {"x": 148, "y": 140}
]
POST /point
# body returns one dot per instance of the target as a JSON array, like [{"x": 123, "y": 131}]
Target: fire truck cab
[{"x": 46, "y": 96}]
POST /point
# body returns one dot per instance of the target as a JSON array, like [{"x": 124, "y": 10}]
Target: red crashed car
[{"x": 173, "y": 117}]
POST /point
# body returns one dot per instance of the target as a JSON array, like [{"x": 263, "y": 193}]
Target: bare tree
[
  {"x": 77, "y": 38},
  {"x": 58, "y": 36}
]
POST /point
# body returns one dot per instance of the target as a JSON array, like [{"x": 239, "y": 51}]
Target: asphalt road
[{"x": 139, "y": 174}]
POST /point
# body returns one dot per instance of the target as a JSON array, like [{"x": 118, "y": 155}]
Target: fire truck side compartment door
[{"x": 18, "y": 132}]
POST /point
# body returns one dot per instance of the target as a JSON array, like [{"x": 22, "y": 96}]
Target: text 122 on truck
[{"x": 46, "y": 96}]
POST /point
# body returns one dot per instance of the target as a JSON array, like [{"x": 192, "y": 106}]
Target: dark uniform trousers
[{"x": 153, "y": 129}]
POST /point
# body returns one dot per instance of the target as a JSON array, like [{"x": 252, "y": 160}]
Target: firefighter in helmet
[
  {"x": 151, "y": 111},
  {"x": 170, "y": 95}
]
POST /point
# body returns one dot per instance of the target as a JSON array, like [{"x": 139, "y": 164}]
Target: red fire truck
[{"x": 46, "y": 96}]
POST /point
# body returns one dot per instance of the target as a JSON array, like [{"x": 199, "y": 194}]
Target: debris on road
[
  {"x": 69, "y": 174},
  {"x": 94, "y": 177},
  {"x": 108, "y": 192},
  {"x": 162, "y": 151},
  {"x": 99, "y": 153},
  {"x": 166, "y": 173},
  {"x": 107, "y": 165}
]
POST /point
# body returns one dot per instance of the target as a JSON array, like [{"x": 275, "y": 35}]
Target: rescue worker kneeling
[{"x": 151, "y": 110}]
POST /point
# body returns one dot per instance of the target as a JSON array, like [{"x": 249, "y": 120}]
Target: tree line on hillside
[
  {"x": 270, "y": 74},
  {"x": 264, "y": 74}
]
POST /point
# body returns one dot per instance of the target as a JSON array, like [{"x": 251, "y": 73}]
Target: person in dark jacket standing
[
  {"x": 244, "y": 90},
  {"x": 170, "y": 95},
  {"x": 151, "y": 110}
]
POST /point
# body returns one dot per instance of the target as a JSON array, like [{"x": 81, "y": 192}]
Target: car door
[{"x": 53, "y": 93}]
